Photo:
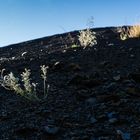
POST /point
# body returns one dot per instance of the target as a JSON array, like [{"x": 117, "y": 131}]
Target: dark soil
[{"x": 94, "y": 92}]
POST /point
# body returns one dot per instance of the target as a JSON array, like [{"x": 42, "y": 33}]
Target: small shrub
[
  {"x": 87, "y": 38},
  {"x": 124, "y": 33},
  {"x": 26, "y": 89},
  {"x": 29, "y": 89},
  {"x": 10, "y": 82}
]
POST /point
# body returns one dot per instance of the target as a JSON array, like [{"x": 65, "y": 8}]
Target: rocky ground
[{"x": 94, "y": 92}]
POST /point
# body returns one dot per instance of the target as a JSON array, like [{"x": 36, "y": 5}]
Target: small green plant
[
  {"x": 74, "y": 46},
  {"x": 87, "y": 38},
  {"x": 26, "y": 89}
]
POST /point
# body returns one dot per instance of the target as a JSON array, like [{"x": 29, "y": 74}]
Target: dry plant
[
  {"x": 29, "y": 88},
  {"x": 129, "y": 32},
  {"x": 87, "y": 38},
  {"x": 68, "y": 40},
  {"x": 134, "y": 31},
  {"x": 10, "y": 82},
  {"x": 124, "y": 33},
  {"x": 26, "y": 89},
  {"x": 44, "y": 76}
]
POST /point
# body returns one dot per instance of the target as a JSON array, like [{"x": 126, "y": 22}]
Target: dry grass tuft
[
  {"x": 129, "y": 32},
  {"x": 134, "y": 31}
]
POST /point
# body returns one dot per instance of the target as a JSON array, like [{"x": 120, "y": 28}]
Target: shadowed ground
[{"x": 94, "y": 92}]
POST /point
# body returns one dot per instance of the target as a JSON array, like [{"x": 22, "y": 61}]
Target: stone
[
  {"x": 113, "y": 120},
  {"x": 111, "y": 115},
  {"x": 111, "y": 86},
  {"x": 91, "y": 101},
  {"x": 57, "y": 66},
  {"x": 93, "y": 120},
  {"x": 51, "y": 129},
  {"x": 132, "y": 55},
  {"x": 103, "y": 64},
  {"x": 123, "y": 135},
  {"x": 117, "y": 77}
]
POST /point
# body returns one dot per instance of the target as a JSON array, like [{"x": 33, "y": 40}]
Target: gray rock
[
  {"x": 117, "y": 77},
  {"x": 111, "y": 87},
  {"x": 93, "y": 120},
  {"x": 132, "y": 55},
  {"x": 123, "y": 135},
  {"x": 51, "y": 129},
  {"x": 113, "y": 120},
  {"x": 91, "y": 101},
  {"x": 111, "y": 115}
]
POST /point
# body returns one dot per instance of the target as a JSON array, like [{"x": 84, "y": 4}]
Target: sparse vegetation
[
  {"x": 74, "y": 46},
  {"x": 130, "y": 32},
  {"x": 26, "y": 89},
  {"x": 124, "y": 33},
  {"x": 87, "y": 38},
  {"x": 44, "y": 76},
  {"x": 10, "y": 82},
  {"x": 87, "y": 85},
  {"x": 134, "y": 31}
]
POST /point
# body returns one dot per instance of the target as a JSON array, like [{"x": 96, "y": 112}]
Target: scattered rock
[
  {"x": 112, "y": 117},
  {"x": 103, "y": 64},
  {"x": 111, "y": 86},
  {"x": 51, "y": 129},
  {"x": 23, "y": 53},
  {"x": 113, "y": 120},
  {"x": 57, "y": 66},
  {"x": 117, "y": 77},
  {"x": 123, "y": 136},
  {"x": 132, "y": 55},
  {"x": 93, "y": 120}
]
